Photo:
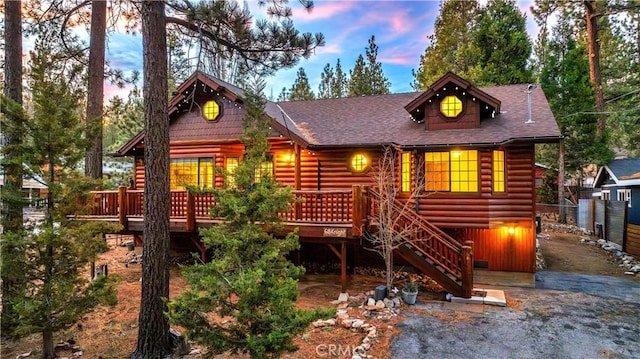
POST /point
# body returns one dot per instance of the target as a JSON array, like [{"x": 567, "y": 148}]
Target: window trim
[
  {"x": 624, "y": 194},
  {"x": 605, "y": 195}
]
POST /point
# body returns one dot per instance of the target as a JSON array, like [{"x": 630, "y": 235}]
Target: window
[
  {"x": 498, "y": 171},
  {"x": 265, "y": 170},
  {"x": 405, "y": 171},
  {"x": 359, "y": 162},
  {"x": 211, "y": 110},
  {"x": 230, "y": 167},
  {"x": 625, "y": 195},
  {"x": 437, "y": 171},
  {"x": 605, "y": 195},
  {"x": 191, "y": 172},
  {"x": 451, "y": 106},
  {"x": 455, "y": 171}
]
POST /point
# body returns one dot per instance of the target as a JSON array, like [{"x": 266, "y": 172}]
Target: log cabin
[{"x": 474, "y": 148}]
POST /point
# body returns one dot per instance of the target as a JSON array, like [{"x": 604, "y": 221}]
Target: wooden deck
[
  {"x": 334, "y": 218},
  {"x": 317, "y": 214}
]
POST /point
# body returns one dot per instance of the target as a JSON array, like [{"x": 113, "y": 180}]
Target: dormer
[{"x": 452, "y": 103}]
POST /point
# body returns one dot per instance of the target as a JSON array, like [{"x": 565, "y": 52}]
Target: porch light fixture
[
  {"x": 211, "y": 110},
  {"x": 359, "y": 162}
]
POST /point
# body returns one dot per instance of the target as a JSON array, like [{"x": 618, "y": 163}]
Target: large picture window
[
  {"x": 265, "y": 170},
  {"x": 455, "y": 171},
  {"x": 231, "y": 166},
  {"x": 191, "y": 172},
  {"x": 498, "y": 171}
]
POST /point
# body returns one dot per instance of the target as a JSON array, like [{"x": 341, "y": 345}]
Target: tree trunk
[
  {"x": 594, "y": 64},
  {"x": 48, "y": 351},
  {"x": 95, "y": 88},
  {"x": 561, "y": 208},
  {"x": 12, "y": 219},
  {"x": 153, "y": 332}
]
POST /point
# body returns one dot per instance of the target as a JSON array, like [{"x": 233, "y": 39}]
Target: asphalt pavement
[{"x": 566, "y": 316}]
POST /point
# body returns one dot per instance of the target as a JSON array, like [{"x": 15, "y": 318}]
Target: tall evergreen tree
[
  {"x": 339, "y": 85},
  {"x": 55, "y": 254},
  {"x": 367, "y": 78},
  {"x": 248, "y": 279},
  {"x": 327, "y": 77},
  {"x": 505, "y": 48},
  {"x": 300, "y": 90},
  {"x": 565, "y": 80},
  {"x": 379, "y": 82},
  {"x": 451, "y": 46},
  {"x": 11, "y": 194}
]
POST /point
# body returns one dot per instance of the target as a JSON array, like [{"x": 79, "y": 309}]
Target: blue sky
[{"x": 400, "y": 28}]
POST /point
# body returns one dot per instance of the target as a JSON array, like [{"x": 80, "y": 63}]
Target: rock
[
  {"x": 330, "y": 322},
  {"x": 380, "y": 304},
  {"x": 318, "y": 323},
  {"x": 602, "y": 242},
  {"x": 388, "y": 302},
  {"x": 78, "y": 354},
  {"x": 635, "y": 268},
  {"x": 23, "y": 355},
  {"x": 347, "y": 323},
  {"x": 629, "y": 273},
  {"x": 177, "y": 343},
  {"x": 396, "y": 302},
  {"x": 357, "y": 323},
  {"x": 356, "y": 356},
  {"x": 343, "y": 305},
  {"x": 371, "y": 302},
  {"x": 195, "y": 351},
  {"x": 366, "y": 346},
  {"x": 343, "y": 297}
]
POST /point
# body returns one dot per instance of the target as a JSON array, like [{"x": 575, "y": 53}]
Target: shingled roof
[
  {"x": 375, "y": 120},
  {"x": 383, "y": 119}
]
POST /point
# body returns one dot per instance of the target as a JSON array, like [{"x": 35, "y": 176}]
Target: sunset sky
[{"x": 400, "y": 28}]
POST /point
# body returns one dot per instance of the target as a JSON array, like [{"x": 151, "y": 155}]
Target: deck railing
[{"x": 336, "y": 207}]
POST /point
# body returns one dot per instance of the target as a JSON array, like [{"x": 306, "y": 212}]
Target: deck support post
[
  {"x": 190, "y": 224},
  {"x": 467, "y": 268},
  {"x": 122, "y": 206},
  {"x": 342, "y": 254},
  {"x": 358, "y": 210}
]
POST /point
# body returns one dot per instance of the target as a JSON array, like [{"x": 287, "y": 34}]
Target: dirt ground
[
  {"x": 111, "y": 332},
  {"x": 563, "y": 252}
]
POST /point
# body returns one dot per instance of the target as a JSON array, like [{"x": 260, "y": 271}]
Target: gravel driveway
[{"x": 589, "y": 318}]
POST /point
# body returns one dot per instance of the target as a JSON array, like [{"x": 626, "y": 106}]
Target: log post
[
  {"x": 357, "y": 215},
  {"x": 467, "y": 269},
  {"x": 190, "y": 225},
  {"x": 343, "y": 267},
  {"x": 122, "y": 206}
]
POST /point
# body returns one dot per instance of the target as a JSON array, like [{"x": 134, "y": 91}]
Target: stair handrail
[{"x": 421, "y": 223}]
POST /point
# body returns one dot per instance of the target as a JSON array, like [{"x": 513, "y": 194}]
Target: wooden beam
[
  {"x": 201, "y": 248},
  {"x": 467, "y": 269},
  {"x": 343, "y": 268},
  {"x": 122, "y": 206},
  {"x": 190, "y": 225},
  {"x": 335, "y": 250}
]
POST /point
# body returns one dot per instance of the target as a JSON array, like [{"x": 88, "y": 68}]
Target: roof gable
[
  {"x": 623, "y": 171},
  {"x": 447, "y": 80}
]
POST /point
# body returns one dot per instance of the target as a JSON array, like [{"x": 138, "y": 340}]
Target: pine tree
[
  {"x": 359, "y": 84},
  {"x": 248, "y": 279},
  {"x": 55, "y": 254},
  {"x": 451, "y": 46},
  {"x": 327, "y": 77},
  {"x": 505, "y": 48},
  {"x": 367, "y": 78},
  {"x": 300, "y": 90},
  {"x": 339, "y": 85},
  {"x": 379, "y": 83}
]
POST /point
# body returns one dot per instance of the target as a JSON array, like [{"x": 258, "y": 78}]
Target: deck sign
[{"x": 334, "y": 232}]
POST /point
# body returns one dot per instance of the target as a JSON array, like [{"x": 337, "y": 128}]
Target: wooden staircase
[{"x": 430, "y": 250}]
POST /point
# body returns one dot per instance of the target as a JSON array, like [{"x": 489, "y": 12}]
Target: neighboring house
[
  {"x": 34, "y": 190},
  {"x": 474, "y": 147},
  {"x": 619, "y": 180}
]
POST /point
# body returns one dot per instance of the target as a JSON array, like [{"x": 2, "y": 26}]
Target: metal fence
[{"x": 607, "y": 219}]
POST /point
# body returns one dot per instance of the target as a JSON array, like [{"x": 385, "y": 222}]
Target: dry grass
[{"x": 111, "y": 332}]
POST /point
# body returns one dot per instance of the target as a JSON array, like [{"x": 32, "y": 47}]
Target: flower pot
[{"x": 409, "y": 297}]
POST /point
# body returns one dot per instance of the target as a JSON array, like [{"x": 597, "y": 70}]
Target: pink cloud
[{"x": 322, "y": 10}]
